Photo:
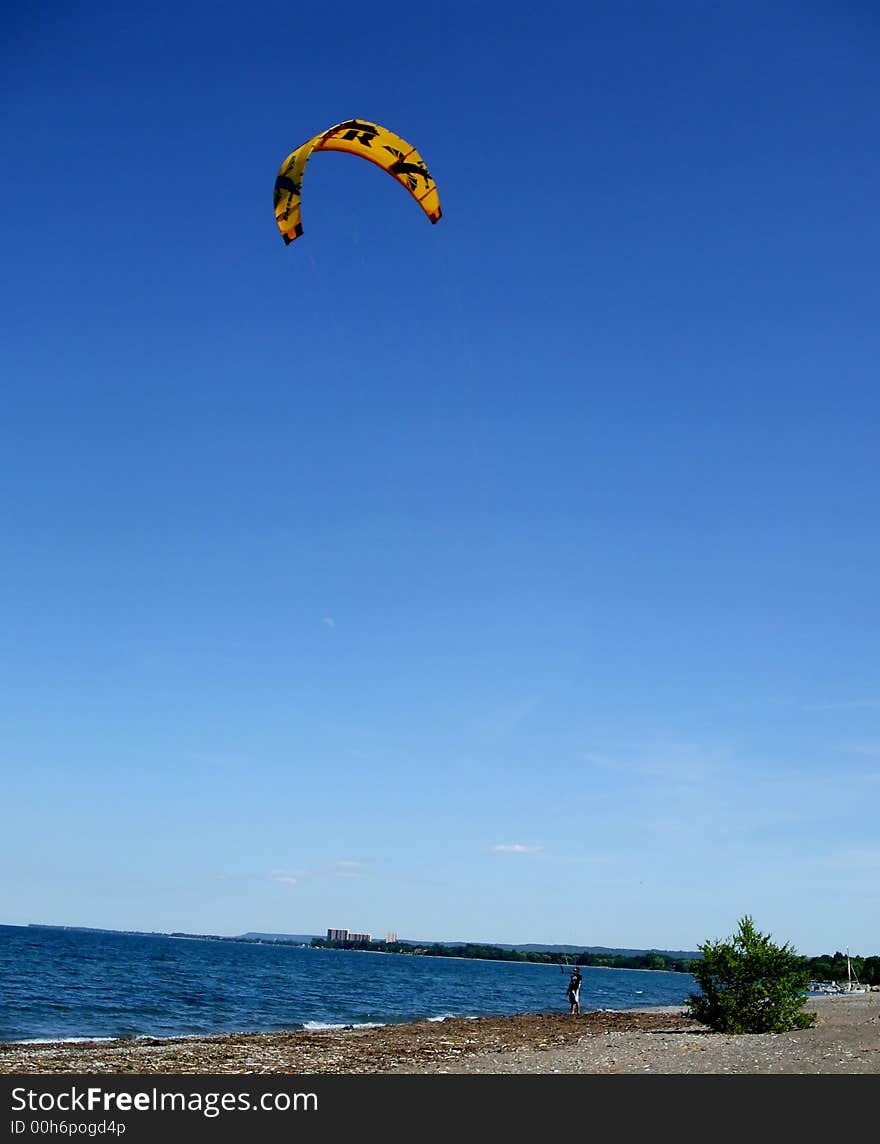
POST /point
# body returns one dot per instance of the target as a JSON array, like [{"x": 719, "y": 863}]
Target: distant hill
[
  {"x": 296, "y": 938},
  {"x": 602, "y": 949},
  {"x": 529, "y": 947},
  {"x": 526, "y": 947}
]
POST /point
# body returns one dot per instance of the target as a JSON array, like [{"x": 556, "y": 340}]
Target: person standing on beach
[{"x": 574, "y": 991}]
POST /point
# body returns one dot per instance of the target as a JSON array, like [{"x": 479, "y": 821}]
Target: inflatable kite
[{"x": 369, "y": 141}]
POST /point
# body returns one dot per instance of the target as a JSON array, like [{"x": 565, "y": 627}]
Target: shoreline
[{"x": 655, "y": 1039}]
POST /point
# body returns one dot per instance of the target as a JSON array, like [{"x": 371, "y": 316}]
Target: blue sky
[{"x": 511, "y": 579}]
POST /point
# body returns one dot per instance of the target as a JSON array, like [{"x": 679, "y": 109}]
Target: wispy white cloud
[
  {"x": 329, "y": 621},
  {"x": 515, "y": 848},
  {"x": 287, "y": 877},
  {"x": 341, "y": 868},
  {"x": 678, "y": 762}
]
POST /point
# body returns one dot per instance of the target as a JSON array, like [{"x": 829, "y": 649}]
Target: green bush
[{"x": 750, "y": 985}]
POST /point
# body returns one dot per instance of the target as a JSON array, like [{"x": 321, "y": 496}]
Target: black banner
[{"x": 137, "y": 1109}]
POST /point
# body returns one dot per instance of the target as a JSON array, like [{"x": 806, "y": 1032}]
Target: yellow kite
[{"x": 369, "y": 141}]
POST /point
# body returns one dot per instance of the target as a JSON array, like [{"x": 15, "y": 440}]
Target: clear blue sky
[{"x": 511, "y": 579}]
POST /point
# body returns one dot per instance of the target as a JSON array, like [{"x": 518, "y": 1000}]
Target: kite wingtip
[{"x": 289, "y": 237}]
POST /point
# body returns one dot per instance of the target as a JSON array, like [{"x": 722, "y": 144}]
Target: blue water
[{"x": 64, "y": 984}]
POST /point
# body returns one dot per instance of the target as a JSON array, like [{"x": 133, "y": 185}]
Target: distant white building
[
  {"x": 391, "y": 936},
  {"x": 344, "y": 935}
]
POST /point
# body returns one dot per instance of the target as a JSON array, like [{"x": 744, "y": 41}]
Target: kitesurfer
[{"x": 574, "y": 991}]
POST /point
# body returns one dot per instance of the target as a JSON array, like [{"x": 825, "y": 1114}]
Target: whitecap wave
[
  {"x": 61, "y": 1040},
  {"x": 332, "y": 1026}
]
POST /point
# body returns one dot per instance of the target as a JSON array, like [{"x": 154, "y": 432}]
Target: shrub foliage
[{"x": 750, "y": 985}]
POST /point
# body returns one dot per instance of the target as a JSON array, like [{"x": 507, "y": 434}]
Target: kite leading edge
[{"x": 367, "y": 140}]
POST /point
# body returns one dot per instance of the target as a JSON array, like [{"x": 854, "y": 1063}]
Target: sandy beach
[{"x": 846, "y": 1040}]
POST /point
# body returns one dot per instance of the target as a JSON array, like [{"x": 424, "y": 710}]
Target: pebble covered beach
[{"x": 846, "y": 1039}]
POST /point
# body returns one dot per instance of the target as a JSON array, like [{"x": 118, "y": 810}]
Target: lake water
[{"x": 66, "y": 984}]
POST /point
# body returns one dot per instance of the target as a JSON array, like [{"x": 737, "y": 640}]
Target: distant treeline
[
  {"x": 828, "y": 967},
  {"x": 650, "y": 960}
]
